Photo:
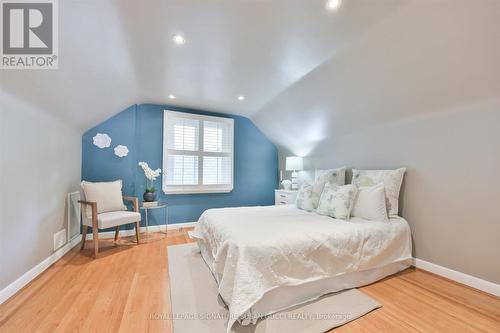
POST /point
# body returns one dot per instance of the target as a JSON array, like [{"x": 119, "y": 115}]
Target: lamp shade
[{"x": 294, "y": 163}]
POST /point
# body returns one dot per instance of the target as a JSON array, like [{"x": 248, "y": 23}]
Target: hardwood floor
[{"x": 129, "y": 284}]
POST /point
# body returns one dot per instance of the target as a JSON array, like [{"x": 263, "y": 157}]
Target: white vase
[{"x": 287, "y": 185}]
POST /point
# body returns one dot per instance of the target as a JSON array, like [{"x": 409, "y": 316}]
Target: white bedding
[{"x": 253, "y": 250}]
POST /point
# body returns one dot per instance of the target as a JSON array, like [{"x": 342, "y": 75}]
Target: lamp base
[{"x": 295, "y": 185}]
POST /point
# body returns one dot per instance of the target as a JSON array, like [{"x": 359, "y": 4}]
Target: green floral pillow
[
  {"x": 306, "y": 198},
  {"x": 336, "y": 176},
  {"x": 337, "y": 201}
]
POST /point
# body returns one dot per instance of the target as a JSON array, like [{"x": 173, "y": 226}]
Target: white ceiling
[
  {"x": 117, "y": 53},
  {"x": 306, "y": 72}
]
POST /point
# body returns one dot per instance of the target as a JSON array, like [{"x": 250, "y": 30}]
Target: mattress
[{"x": 266, "y": 259}]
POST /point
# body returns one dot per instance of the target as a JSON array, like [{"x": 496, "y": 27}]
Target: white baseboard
[
  {"x": 468, "y": 280},
  {"x": 27, "y": 277},
  {"x": 152, "y": 228},
  {"x": 181, "y": 225}
]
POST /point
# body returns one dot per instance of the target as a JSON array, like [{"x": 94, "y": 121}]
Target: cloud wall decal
[
  {"x": 121, "y": 151},
  {"x": 102, "y": 140}
]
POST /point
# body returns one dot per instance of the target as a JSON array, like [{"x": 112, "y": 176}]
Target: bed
[{"x": 268, "y": 258}]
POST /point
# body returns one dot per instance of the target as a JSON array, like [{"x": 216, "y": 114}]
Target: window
[{"x": 197, "y": 153}]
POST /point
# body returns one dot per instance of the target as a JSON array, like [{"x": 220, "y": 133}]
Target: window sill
[{"x": 191, "y": 191}]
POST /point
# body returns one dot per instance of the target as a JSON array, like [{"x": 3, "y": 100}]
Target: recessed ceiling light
[
  {"x": 333, "y": 4},
  {"x": 171, "y": 96},
  {"x": 178, "y": 39},
  {"x": 241, "y": 98}
]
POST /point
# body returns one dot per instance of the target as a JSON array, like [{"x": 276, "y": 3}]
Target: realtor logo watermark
[{"x": 29, "y": 34}]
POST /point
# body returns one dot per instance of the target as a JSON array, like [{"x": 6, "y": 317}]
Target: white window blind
[{"x": 197, "y": 153}]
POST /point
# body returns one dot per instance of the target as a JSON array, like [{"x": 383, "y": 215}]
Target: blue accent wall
[{"x": 140, "y": 128}]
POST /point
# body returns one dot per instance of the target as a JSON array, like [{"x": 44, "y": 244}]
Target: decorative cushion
[
  {"x": 336, "y": 176},
  {"x": 392, "y": 180},
  {"x": 370, "y": 203},
  {"x": 306, "y": 198},
  {"x": 337, "y": 201},
  {"x": 112, "y": 219},
  {"x": 108, "y": 196}
]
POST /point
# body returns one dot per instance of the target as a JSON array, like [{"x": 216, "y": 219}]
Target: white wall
[
  {"x": 452, "y": 185},
  {"x": 420, "y": 90},
  {"x": 39, "y": 164}
]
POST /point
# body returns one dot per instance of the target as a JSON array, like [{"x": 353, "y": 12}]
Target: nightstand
[{"x": 284, "y": 197}]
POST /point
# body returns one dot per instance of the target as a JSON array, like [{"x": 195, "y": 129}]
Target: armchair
[{"x": 110, "y": 219}]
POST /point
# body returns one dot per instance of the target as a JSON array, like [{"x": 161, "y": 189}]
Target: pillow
[
  {"x": 370, "y": 203},
  {"x": 306, "y": 198},
  {"x": 336, "y": 176},
  {"x": 337, "y": 201},
  {"x": 331, "y": 175},
  {"x": 392, "y": 180},
  {"x": 108, "y": 196}
]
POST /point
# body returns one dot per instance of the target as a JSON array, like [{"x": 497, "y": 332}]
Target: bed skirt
[{"x": 285, "y": 297}]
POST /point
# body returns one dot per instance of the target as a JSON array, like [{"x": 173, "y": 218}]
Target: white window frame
[{"x": 200, "y": 188}]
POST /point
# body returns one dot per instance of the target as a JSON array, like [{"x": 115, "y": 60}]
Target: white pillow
[
  {"x": 306, "y": 198},
  {"x": 108, "y": 196},
  {"x": 392, "y": 180},
  {"x": 336, "y": 176},
  {"x": 370, "y": 203},
  {"x": 337, "y": 201}
]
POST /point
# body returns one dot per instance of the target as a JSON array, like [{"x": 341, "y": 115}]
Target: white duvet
[{"x": 251, "y": 250}]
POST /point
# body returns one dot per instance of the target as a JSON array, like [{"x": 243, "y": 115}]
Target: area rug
[{"x": 196, "y": 306}]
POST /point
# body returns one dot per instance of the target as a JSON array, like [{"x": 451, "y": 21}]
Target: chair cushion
[
  {"x": 112, "y": 219},
  {"x": 108, "y": 196}
]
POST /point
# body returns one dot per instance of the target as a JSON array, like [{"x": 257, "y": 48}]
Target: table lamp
[{"x": 294, "y": 164}]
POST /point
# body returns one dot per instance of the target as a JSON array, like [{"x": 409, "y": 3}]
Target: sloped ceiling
[
  {"x": 305, "y": 72},
  {"x": 430, "y": 56},
  {"x": 117, "y": 53}
]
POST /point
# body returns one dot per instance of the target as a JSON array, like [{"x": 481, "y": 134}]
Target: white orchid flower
[{"x": 150, "y": 174}]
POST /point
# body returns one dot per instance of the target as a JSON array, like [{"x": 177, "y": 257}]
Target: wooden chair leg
[
  {"x": 96, "y": 241},
  {"x": 137, "y": 226},
  {"x": 117, "y": 230},
  {"x": 84, "y": 236}
]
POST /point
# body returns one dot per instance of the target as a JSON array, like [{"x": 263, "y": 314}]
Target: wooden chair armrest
[
  {"x": 93, "y": 206},
  {"x": 83, "y": 202},
  {"x": 134, "y": 200}
]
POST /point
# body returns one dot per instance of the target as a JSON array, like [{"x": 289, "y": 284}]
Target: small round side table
[{"x": 147, "y": 237}]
